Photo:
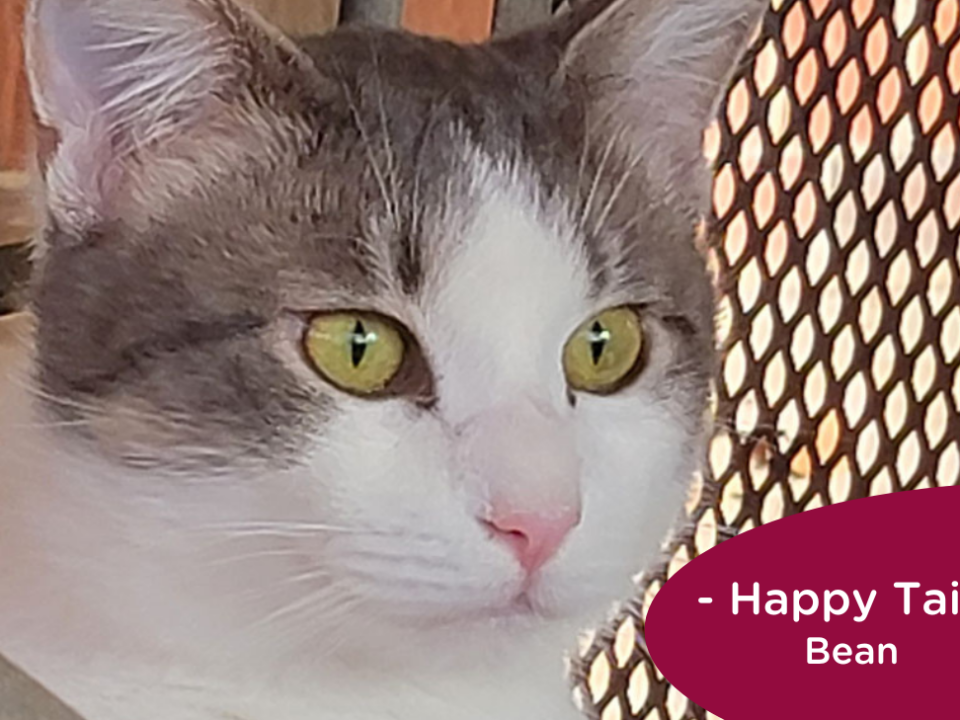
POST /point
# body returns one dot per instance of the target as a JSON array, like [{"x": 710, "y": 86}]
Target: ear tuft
[
  {"x": 654, "y": 72},
  {"x": 131, "y": 70},
  {"x": 118, "y": 79}
]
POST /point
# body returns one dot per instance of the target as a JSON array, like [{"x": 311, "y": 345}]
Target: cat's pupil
[
  {"x": 599, "y": 337},
  {"x": 359, "y": 341}
]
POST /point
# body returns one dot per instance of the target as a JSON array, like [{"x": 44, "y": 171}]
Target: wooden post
[
  {"x": 463, "y": 21},
  {"x": 14, "y": 98},
  {"x": 16, "y": 126}
]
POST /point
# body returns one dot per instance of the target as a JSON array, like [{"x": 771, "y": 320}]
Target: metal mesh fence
[{"x": 836, "y": 205}]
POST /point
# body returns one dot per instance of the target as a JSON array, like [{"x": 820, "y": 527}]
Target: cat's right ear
[{"x": 124, "y": 81}]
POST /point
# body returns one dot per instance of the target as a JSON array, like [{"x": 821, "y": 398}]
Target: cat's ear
[
  {"x": 118, "y": 79},
  {"x": 653, "y": 73}
]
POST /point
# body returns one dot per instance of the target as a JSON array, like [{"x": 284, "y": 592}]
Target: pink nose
[{"x": 533, "y": 538}]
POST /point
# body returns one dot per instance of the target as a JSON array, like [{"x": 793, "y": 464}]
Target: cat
[{"x": 362, "y": 371}]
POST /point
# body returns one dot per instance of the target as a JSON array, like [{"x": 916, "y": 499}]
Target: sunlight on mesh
[{"x": 836, "y": 207}]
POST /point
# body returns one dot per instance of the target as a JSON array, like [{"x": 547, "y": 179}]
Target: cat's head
[{"x": 421, "y": 329}]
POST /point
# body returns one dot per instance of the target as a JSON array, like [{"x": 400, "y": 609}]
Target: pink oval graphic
[{"x": 754, "y": 667}]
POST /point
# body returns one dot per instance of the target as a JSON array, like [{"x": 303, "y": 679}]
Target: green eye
[
  {"x": 606, "y": 352},
  {"x": 358, "y": 352}
]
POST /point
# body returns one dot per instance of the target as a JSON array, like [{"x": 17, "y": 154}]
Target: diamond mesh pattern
[{"x": 837, "y": 205}]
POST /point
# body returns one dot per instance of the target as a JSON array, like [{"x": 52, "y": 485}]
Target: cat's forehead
[
  {"x": 447, "y": 139},
  {"x": 505, "y": 258},
  {"x": 410, "y": 188}
]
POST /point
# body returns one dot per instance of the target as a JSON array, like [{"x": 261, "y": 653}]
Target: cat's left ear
[
  {"x": 125, "y": 81},
  {"x": 652, "y": 73}
]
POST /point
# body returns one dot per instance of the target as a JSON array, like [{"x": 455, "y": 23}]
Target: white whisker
[
  {"x": 283, "y": 529},
  {"x": 595, "y": 185}
]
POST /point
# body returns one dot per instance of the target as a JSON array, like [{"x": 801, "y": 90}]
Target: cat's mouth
[{"x": 524, "y": 605}]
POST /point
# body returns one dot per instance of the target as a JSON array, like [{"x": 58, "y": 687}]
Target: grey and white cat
[{"x": 365, "y": 370}]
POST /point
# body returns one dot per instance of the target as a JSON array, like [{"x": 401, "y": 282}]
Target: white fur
[{"x": 358, "y": 585}]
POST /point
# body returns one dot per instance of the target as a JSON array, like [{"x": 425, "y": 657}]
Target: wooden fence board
[
  {"x": 14, "y": 105},
  {"x": 459, "y": 20}
]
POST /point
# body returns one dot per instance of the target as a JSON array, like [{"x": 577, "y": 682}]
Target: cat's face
[{"x": 428, "y": 322}]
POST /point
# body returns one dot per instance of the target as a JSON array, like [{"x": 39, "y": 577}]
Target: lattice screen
[{"x": 837, "y": 201}]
